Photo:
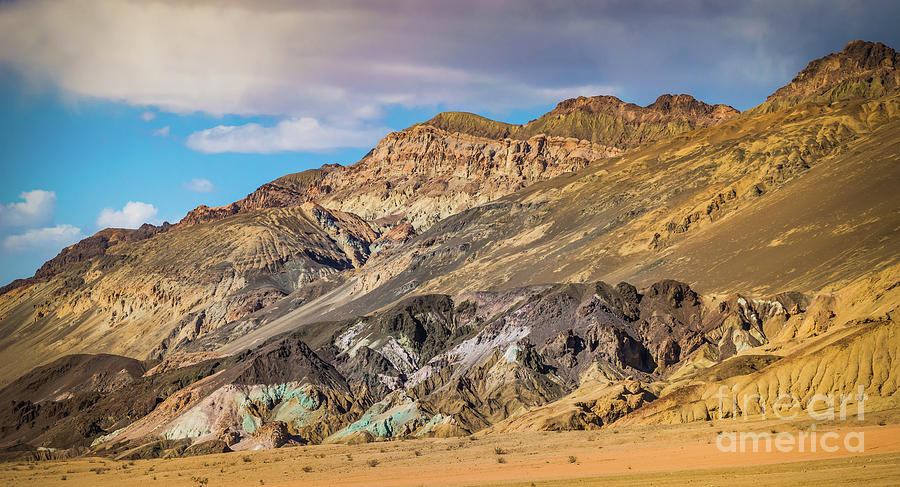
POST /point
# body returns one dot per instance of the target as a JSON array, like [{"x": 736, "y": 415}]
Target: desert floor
[{"x": 636, "y": 455}]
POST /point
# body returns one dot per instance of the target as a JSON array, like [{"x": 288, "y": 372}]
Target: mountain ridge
[
  {"x": 447, "y": 284},
  {"x": 669, "y": 115},
  {"x": 862, "y": 69},
  {"x": 615, "y": 126}
]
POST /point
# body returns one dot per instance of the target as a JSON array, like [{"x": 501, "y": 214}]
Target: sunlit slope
[
  {"x": 602, "y": 120},
  {"x": 790, "y": 200},
  {"x": 144, "y": 298}
]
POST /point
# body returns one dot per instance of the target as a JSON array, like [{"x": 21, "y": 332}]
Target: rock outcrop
[
  {"x": 420, "y": 175},
  {"x": 604, "y": 120},
  {"x": 862, "y": 70}
]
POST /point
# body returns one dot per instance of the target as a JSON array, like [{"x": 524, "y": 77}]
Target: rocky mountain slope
[
  {"x": 93, "y": 246},
  {"x": 604, "y": 120},
  {"x": 124, "y": 292},
  {"x": 552, "y": 357},
  {"x": 457, "y": 160},
  {"x": 862, "y": 69},
  {"x": 798, "y": 199},
  {"x": 144, "y": 297},
  {"x": 458, "y": 279},
  {"x": 733, "y": 207}
]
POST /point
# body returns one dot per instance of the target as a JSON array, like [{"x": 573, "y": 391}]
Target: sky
[{"x": 116, "y": 113}]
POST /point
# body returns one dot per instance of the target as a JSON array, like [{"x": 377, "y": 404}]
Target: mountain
[
  {"x": 460, "y": 279},
  {"x": 140, "y": 298},
  {"x": 604, "y": 120},
  {"x": 458, "y": 160},
  {"x": 90, "y": 247},
  {"x": 862, "y": 69},
  {"x": 123, "y": 292}
]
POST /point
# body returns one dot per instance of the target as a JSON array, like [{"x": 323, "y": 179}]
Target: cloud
[
  {"x": 296, "y": 134},
  {"x": 37, "y": 208},
  {"x": 199, "y": 185},
  {"x": 162, "y": 132},
  {"x": 50, "y": 238},
  {"x": 148, "y": 116},
  {"x": 132, "y": 215},
  {"x": 353, "y": 60}
]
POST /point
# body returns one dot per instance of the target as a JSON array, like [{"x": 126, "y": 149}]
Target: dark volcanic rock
[
  {"x": 73, "y": 375},
  {"x": 289, "y": 359},
  {"x": 426, "y": 322},
  {"x": 78, "y": 398}
]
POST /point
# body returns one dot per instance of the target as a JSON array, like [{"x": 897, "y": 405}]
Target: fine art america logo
[{"x": 819, "y": 407}]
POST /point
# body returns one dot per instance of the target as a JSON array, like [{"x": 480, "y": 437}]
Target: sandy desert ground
[{"x": 638, "y": 455}]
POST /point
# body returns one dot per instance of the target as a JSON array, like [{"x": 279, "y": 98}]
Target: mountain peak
[
  {"x": 469, "y": 123},
  {"x": 681, "y": 109},
  {"x": 862, "y": 69},
  {"x": 590, "y": 104},
  {"x": 599, "y": 119},
  {"x": 870, "y": 55}
]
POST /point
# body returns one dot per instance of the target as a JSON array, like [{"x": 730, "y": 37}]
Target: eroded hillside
[
  {"x": 459, "y": 279},
  {"x": 552, "y": 357}
]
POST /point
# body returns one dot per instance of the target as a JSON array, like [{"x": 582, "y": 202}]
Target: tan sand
[{"x": 671, "y": 455}]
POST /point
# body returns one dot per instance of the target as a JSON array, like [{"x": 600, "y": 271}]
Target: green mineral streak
[
  {"x": 289, "y": 402},
  {"x": 249, "y": 423},
  {"x": 434, "y": 421},
  {"x": 382, "y": 421}
]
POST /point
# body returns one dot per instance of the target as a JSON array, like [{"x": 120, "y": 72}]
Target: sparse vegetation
[
  {"x": 572, "y": 459},
  {"x": 372, "y": 463}
]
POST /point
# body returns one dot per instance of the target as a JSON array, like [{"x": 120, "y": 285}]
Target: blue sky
[
  {"x": 119, "y": 112},
  {"x": 96, "y": 154}
]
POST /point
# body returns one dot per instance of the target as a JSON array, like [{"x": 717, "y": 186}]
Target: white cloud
[
  {"x": 132, "y": 215},
  {"x": 289, "y": 60},
  {"x": 200, "y": 185},
  {"x": 53, "y": 238},
  {"x": 148, "y": 116},
  {"x": 350, "y": 60},
  {"x": 162, "y": 132},
  {"x": 296, "y": 134},
  {"x": 37, "y": 208}
]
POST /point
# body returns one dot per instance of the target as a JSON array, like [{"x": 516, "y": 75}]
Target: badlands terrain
[{"x": 480, "y": 303}]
